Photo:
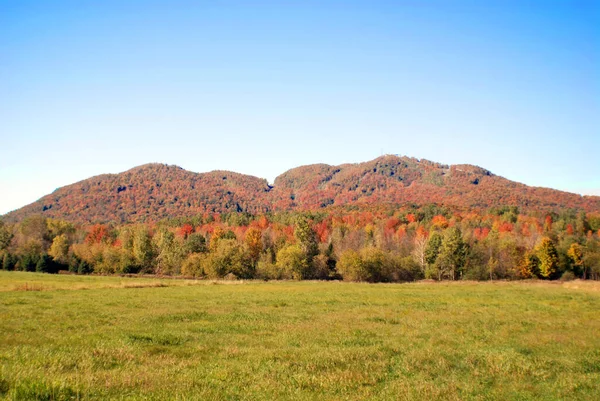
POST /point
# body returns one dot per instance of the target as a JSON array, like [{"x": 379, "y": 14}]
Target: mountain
[{"x": 155, "y": 191}]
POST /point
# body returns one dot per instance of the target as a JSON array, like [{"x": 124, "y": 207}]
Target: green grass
[{"x": 76, "y": 337}]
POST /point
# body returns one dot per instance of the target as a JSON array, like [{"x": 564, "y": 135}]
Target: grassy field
[{"x": 74, "y": 337}]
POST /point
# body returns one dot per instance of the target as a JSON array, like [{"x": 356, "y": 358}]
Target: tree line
[{"x": 373, "y": 244}]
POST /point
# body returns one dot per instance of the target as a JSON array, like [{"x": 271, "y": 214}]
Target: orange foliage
[
  {"x": 185, "y": 230},
  {"x": 505, "y": 227},
  {"x": 421, "y": 232},
  {"x": 439, "y": 221},
  {"x": 98, "y": 233}
]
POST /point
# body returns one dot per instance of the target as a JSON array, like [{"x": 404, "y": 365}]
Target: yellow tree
[
  {"x": 59, "y": 250},
  {"x": 548, "y": 257},
  {"x": 575, "y": 253},
  {"x": 254, "y": 243}
]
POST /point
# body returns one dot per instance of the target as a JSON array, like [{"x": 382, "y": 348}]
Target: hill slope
[
  {"x": 396, "y": 179},
  {"x": 151, "y": 192},
  {"x": 155, "y": 191}
]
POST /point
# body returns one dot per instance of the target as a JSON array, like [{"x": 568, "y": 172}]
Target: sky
[{"x": 259, "y": 87}]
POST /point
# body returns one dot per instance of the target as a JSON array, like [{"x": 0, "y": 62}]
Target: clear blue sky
[{"x": 90, "y": 87}]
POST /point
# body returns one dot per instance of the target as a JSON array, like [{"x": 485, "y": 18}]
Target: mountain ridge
[{"x": 153, "y": 191}]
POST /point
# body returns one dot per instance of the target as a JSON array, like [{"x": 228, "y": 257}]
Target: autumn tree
[
  {"x": 575, "y": 253},
  {"x": 254, "y": 243},
  {"x": 219, "y": 234},
  {"x": 6, "y": 236},
  {"x": 420, "y": 247},
  {"x": 529, "y": 266},
  {"x": 59, "y": 250},
  {"x": 97, "y": 234},
  {"x": 548, "y": 257}
]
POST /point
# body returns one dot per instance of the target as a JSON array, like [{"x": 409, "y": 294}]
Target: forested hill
[
  {"x": 155, "y": 191},
  {"x": 149, "y": 193}
]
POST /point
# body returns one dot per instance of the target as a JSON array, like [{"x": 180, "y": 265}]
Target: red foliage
[
  {"x": 97, "y": 234},
  {"x": 392, "y": 223},
  {"x": 323, "y": 230},
  {"x": 186, "y": 230},
  {"x": 481, "y": 233},
  {"x": 570, "y": 230},
  {"x": 505, "y": 227},
  {"x": 156, "y": 191}
]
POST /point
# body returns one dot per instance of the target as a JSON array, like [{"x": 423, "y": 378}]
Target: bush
[
  {"x": 368, "y": 265},
  {"x": 228, "y": 257},
  {"x": 567, "y": 276},
  {"x": 292, "y": 260},
  {"x": 321, "y": 267},
  {"x": 192, "y": 265},
  {"x": 265, "y": 270}
]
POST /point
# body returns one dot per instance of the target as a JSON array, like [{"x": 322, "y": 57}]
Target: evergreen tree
[
  {"x": 453, "y": 254},
  {"x": 307, "y": 238}
]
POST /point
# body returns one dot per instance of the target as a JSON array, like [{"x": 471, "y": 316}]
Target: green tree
[
  {"x": 292, "y": 260},
  {"x": 432, "y": 250},
  {"x": 195, "y": 243},
  {"x": 193, "y": 265},
  {"x": 228, "y": 257},
  {"x": 366, "y": 265},
  {"x": 143, "y": 250},
  {"x": 453, "y": 254},
  {"x": 170, "y": 253},
  {"x": 307, "y": 238},
  {"x": 45, "y": 264},
  {"x": 9, "y": 261}
]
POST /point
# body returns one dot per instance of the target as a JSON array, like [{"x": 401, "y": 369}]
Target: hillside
[
  {"x": 151, "y": 192},
  {"x": 393, "y": 179},
  {"x": 155, "y": 191}
]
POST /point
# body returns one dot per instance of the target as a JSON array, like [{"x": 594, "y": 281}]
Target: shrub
[
  {"x": 292, "y": 260},
  {"x": 228, "y": 257},
  {"x": 368, "y": 265},
  {"x": 192, "y": 265},
  {"x": 567, "y": 276}
]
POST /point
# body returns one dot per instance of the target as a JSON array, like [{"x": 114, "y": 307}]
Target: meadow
[{"x": 68, "y": 337}]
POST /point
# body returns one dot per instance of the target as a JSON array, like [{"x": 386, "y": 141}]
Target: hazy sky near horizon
[{"x": 259, "y": 87}]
